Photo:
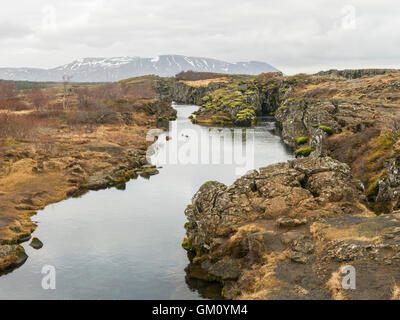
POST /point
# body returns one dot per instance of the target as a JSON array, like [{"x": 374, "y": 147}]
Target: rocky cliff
[
  {"x": 355, "y": 73},
  {"x": 354, "y": 120},
  {"x": 286, "y": 231}
]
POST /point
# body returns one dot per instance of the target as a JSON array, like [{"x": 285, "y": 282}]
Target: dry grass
[
  {"x": 194, "y": 76},
  {"x": 205, "y": 83},
  {"x": 334, "y": 286},
  {"x": 395, "y": 293},
  {"x": 21, "y": 126}
]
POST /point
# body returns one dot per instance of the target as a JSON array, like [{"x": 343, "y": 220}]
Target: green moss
[
  {"x": 35, "y": 240},
  {"x": 326, "y": 129},
  {"x": 382, "y": 146},
  {"x": 13, "y": 143},
  {"x": 246, "y": 114},
  {"x": 305, "y": 152},
  {"x": 215, "y": 279},
  {"x": 301, "y": 140},
  {"x": 381, "y": 150},
  {"x": 282, "y": 107},
  {"x": 205, "y": 98},
  {"x": 372, "y": 190},
  {"x": 235, "y": 104},
  {"x": 200, "y": 257},
  {"x": 19, "y": 251},
  {"x": 187, "y": 245}
]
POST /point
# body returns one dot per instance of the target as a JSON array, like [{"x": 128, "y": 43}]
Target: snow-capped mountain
[{"x": 118, "y": 68}]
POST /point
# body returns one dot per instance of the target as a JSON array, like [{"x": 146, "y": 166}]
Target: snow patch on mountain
[{"x": 118, "y": 68}]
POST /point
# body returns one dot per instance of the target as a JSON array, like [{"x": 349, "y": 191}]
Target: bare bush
[
  {"x": 38, "y": 98},
  {"x": 84, "y": 98},
  {"x": 13, "y": 104},
  {"x": 16, "y": 126},
  {"x": 95, "y": 114},
  {"x": 8, "y": 90}
]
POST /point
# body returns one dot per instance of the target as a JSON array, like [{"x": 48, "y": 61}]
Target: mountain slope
[{"x": 118, "y": 68}]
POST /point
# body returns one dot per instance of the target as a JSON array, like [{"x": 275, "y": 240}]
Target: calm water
[{"x": 114, "y": 244}]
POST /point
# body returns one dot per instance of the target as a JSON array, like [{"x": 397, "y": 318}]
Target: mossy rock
[
  {"x": 282, "y": 107},
  {"x": 305, "y": 152},
  {"x": 301, "y": 140},
  {"x": 326, "y": 129},
  {"x": 187, "y": 245},
  {"x": 36, "y": 243},
  {"x": 187, "y": 225},
  {"x": 198, "y": 259}
]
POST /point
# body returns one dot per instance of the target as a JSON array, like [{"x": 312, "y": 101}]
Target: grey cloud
[
  {"x": 11, "y": 30},
  {"x": 294, "y": 36}
]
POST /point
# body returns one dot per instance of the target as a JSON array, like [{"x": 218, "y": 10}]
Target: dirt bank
[{"x": 50, "y": 154}]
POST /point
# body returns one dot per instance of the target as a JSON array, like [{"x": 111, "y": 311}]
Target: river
[{"x": 126, "y": 244}]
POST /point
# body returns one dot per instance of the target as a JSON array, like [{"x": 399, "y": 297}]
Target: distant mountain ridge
[{"x": 118, "y": 68}]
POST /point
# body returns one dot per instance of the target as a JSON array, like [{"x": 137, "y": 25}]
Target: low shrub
[{"x": 20, "y": 126}]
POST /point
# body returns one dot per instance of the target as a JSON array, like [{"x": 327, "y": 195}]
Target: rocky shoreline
[
  {"x": 285, "y": 231},
  {"x": 282, "y": 232},
  {"x": 70, "y": 162},
  {"x": 74, "y": 178},
  {"x": 349, "y": 115}
]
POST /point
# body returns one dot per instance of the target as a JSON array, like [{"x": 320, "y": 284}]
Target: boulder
[
  {"x": 285, "y": 232},
  {"x": 36, "y": 243}
]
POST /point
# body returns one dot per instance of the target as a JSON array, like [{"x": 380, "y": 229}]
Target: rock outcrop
[
  {"x": 349, "y": 115},
  {"x": 285, "y": 232},
  {"x": 239, "y": 100},
  {"x": 11, "y": 256},
  {"x": 355, "y": 121},
  {"x": 355, "y": 73}
]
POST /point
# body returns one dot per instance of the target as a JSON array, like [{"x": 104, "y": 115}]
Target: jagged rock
[
  {"x": 298, "y": 257},
  {"x": 225, "y": 269},
  {"x": 11, "y": 256},
  {"x": 36, "y": 243},
  {"x": 283, "y": 232},
  {"x": 286, "y": 222},
  {"x": 355, "y": 73}
]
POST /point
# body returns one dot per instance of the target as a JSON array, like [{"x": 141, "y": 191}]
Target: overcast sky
[{"x": 294, "y": 36}]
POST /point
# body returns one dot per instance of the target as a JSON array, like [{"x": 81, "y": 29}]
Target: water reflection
[{"x": 114, "y": 244}]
